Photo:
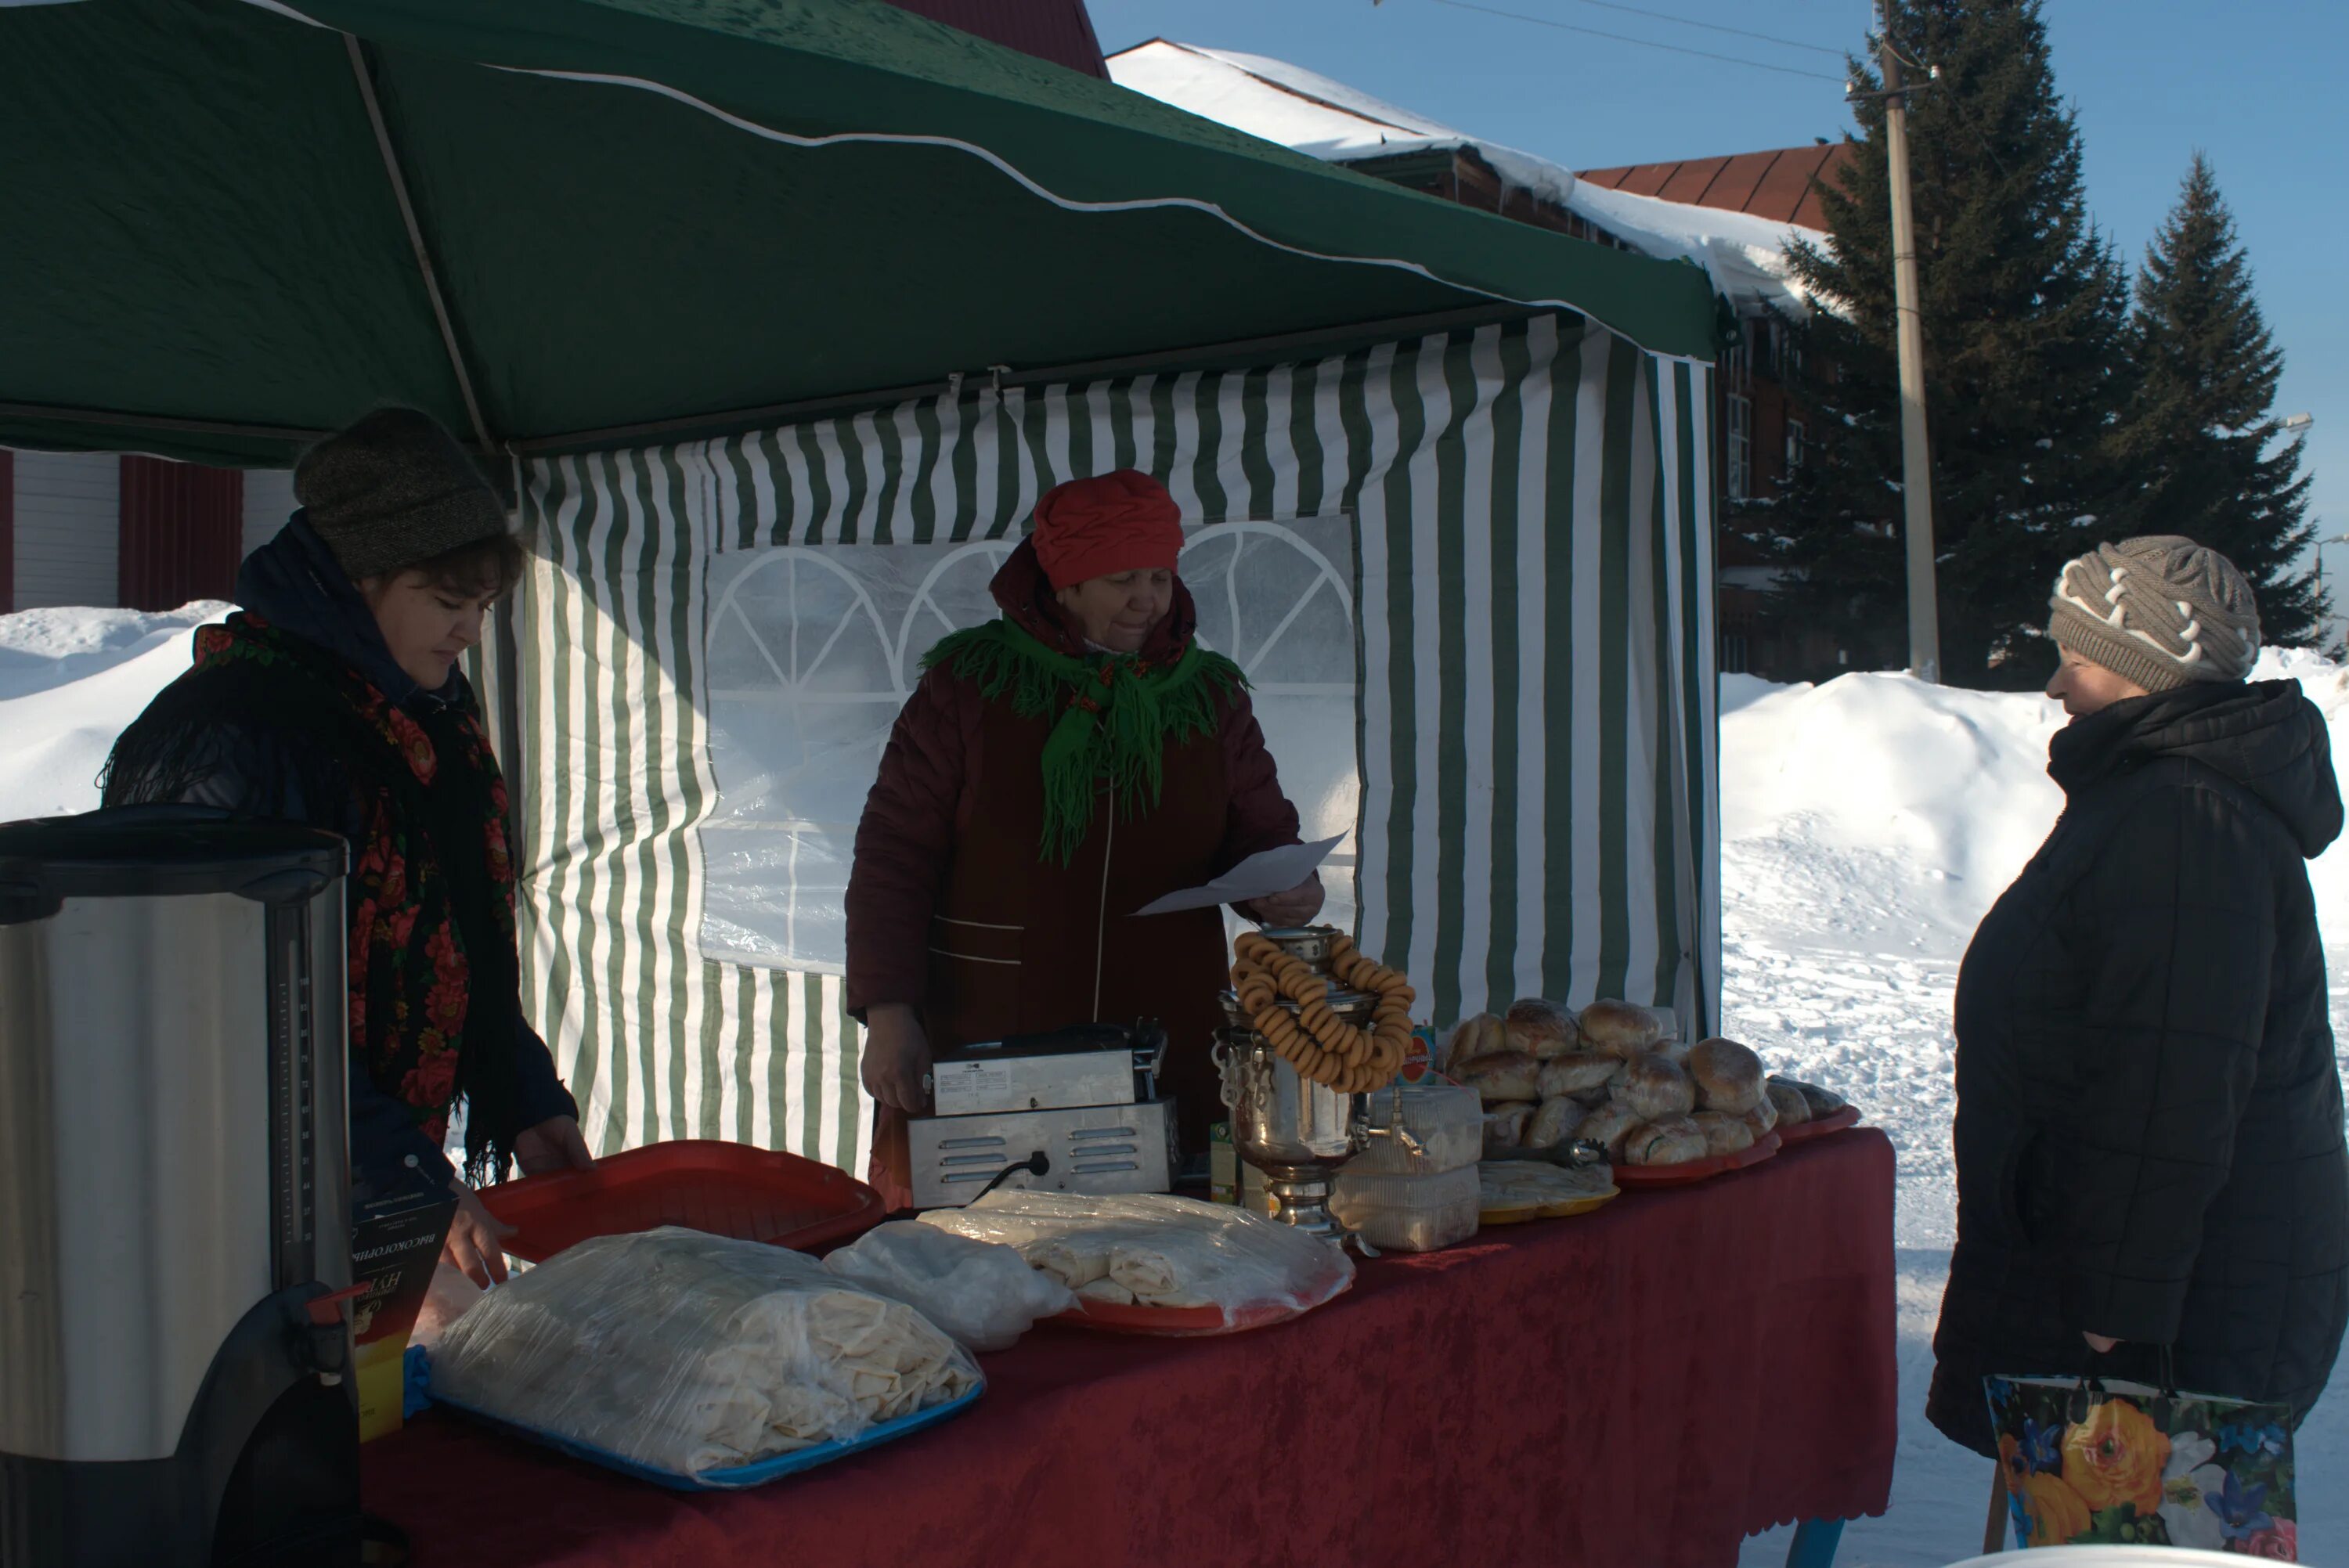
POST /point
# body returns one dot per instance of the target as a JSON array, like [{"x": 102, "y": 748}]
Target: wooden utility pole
[{"x": 1916, "y": 459}]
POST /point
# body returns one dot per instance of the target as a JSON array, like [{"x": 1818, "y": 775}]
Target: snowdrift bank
[{"x": 71, "y": 680}]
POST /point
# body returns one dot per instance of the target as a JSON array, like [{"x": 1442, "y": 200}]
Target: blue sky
[{"x": 2256, "y": 86}]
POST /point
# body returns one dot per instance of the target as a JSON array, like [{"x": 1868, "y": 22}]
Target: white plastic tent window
[{"x": 814, "y": 649}]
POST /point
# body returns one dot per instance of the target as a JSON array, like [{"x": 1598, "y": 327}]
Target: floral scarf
[{"x": 434, "y": 976}]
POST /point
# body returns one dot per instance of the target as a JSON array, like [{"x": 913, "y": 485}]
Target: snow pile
[
  {"x": 71, "y": 680},
  {"x": 1309, "y": 113}
]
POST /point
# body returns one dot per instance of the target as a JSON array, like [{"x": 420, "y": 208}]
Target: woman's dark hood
[
  {"x": 2267, "y": 736},
  {"x": 1025, "y": 594},
  {"x": 295, "y": 584}
]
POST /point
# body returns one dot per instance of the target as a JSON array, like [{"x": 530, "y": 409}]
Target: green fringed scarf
[{"x": 1117, "y": 715}]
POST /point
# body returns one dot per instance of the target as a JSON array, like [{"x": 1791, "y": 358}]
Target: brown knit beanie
[
  {"x": 394, "y": 490},
  {"x": 2161, "y": 611}
]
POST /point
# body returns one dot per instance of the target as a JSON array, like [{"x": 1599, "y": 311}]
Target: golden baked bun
[
  {"x": 1620, "y": 1028},
  {"x": 1504, "y": 1076},
  {"x": 1724, "y": 1133},
  {"x": 1794, "y": 1108},
  {"x": 1504, "y": 1127},
  {"x": 1728, "y": 1075},
  {"x": 1578, "y": 1072},
  {"x": 1541, "y": 1028},
  {"x": 1656, "y": 1086},
  {"x": 1667, "y": 1141},
  {"x": 1554, "y": 1123},
  {"x": 1608, "y": 1126},
  {"x": 1478, "y": 1037}
]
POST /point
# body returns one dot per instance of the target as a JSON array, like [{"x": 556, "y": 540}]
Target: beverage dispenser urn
[{"x": 174, "y": 1195}]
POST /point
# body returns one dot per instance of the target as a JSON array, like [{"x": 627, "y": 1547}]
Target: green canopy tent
[{"x": 734, "y": 290}]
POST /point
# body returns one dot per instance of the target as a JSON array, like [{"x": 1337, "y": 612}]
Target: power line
[
  {"x": 1714, "y": 27},
  {"x": 1643, "y": 43}
]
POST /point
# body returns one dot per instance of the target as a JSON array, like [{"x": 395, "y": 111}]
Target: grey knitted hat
[
  {"x": 2161, "y": 611},
  {"x": 394, "y": 490}
]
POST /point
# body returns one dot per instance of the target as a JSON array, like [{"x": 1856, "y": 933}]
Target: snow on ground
[
  {"x": 69, "y": 681},
  {"x": 1867, "y": 824}
]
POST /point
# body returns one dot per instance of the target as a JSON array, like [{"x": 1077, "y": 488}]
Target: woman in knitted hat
[
  {"x": 2149, "y": 1130},
  {"x": 1055, "y": 770},
  {"x": 333, "y": 699}
]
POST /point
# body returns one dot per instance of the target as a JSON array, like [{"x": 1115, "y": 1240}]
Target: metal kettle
[{"x": 174, "y": 1194}]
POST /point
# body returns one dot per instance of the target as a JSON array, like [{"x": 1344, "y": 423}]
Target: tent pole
[
  {"x": 162, "y": 422},
  {"x": 416, "y": 239}
]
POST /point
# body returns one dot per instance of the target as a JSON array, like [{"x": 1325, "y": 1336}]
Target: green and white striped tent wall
[{"x": 1534, "y": 506}]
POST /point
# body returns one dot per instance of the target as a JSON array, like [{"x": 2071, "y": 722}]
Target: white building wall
[
  {"x": 69, "y": 526},
  {"x": 268, "y": 502}
]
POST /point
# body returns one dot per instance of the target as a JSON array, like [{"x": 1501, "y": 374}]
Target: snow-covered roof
[{"x": 1311, "y": 113}]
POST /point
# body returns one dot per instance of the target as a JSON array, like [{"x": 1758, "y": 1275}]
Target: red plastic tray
[
  {"x": 702, "y": 1184},
  {"x": 1629, "y": 1177},
  {"x": 1802, "y": 1133}
]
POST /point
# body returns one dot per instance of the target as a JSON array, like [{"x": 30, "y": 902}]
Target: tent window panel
[{"x": 814, "y": 649}]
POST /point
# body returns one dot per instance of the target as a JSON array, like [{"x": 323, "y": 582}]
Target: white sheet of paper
[{"x": 1259, "y": 876}]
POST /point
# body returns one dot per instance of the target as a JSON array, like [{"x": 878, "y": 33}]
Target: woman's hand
[
  {"x": 1295, "y": 907},
  {"x": 473, "y": 1237},
  {"x": 2098, "y": 1343},
  {"x": 554, "y": 1144},
  {"x": 896, "y": 1058}
]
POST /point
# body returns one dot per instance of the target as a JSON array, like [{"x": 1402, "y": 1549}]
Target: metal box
[{"x": 1098, "y": 1149}]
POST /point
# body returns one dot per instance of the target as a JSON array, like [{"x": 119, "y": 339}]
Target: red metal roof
[
  {"x": 1056, "y": 30},
  {"x": 1774, "y": 185}
]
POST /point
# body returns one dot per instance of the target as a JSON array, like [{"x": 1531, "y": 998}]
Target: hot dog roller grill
[{"x": 1077, "y": 1109}]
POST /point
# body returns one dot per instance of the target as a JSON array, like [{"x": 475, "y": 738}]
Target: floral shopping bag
[{"x": 2091, "y": 1463}]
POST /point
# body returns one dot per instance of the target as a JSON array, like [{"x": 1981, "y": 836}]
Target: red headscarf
[{"x": 1123, "y": 522}]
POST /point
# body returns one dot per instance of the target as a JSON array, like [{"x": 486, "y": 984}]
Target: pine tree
[
  {"x": 2025, "y": 309},
  {"x": 2198, "y": 430}
]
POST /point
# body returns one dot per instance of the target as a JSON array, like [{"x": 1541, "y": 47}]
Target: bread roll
[
  {"x": 1502, "y": 1076},
  {"x": 1763, "y": 1119},
  {"x": 1728, "y": 1077},
  {"x": 1554, "y": 1123},
  {"x": 1673, "y": 1051},
  {"x": 1668, "y": 1140},
  {"x": 1608, "y": 1126},
  {"x": 1505, "y": 1128},
  {"x": 1620, "y": 1028},
  {"x": 1788, "y": 1101},
  {"x": 1655, "y": 1086},
  {"x": 1724, "y": 1133},
  {"x": 1477, "y": 1037},
  {"x": 1578, "y": 1071},
  {"x": 1542, "y": 1028},
  {"x": 1824, "y": 1102}
]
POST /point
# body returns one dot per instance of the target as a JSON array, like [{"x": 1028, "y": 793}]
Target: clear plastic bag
[
  {"x": 1447, "y": 1121},
  {"x": 1408, "y": 1213},
  {"x": 1153, "y": 1251},
  {"x": 685, "y": 1352},
  {"x": 982, "y": 1292}
]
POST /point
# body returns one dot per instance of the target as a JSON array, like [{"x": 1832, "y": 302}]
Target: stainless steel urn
[{"x": 174, "y": 1194}]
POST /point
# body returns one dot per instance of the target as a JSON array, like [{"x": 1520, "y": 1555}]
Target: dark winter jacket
[
  {"x": 922, "y": 801},
  {"x": 295, "y": 583},
  {"x": 2150, "y": 1112}
]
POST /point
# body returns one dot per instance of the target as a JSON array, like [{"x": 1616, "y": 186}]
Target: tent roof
[{"x": 657, "y": 209}]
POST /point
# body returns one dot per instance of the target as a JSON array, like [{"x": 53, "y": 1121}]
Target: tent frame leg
[{"x": 1814, "y": 1544}]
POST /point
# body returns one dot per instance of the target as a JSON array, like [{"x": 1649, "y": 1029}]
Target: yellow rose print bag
[{"x": 2094, "y": 1463}]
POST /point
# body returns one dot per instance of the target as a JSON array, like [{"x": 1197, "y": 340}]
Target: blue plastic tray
[{"x": 734, "y": 1477}]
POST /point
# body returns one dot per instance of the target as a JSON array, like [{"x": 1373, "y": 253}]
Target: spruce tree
[
  {"x": 2199, "y": 427},
  {"x": 2024, "y": 308}
]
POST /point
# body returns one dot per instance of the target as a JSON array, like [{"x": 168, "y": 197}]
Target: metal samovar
[{"x": 1297, "y": 1131}]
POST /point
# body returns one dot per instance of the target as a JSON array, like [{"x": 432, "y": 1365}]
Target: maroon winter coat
[{"x": 951, "y": 910}]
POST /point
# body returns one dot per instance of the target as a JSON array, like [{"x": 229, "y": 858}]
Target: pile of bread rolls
[
  {"x": 1797, "y": 1102},
  {"x": 1611, "y": 1075}
]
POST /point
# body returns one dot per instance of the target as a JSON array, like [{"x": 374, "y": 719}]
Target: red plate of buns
[
  {"x": 1632, "y": 1178},
  {"x": 1804, "y": 1131}
]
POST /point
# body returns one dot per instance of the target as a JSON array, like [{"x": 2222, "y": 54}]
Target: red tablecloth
[{"x": 1645, "y": 1385}]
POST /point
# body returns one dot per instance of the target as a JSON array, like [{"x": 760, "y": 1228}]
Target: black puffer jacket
[{"x": 2149, "y": 1115}]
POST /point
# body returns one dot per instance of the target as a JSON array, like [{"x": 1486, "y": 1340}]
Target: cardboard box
[{"x": 395, "y": 1243}]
